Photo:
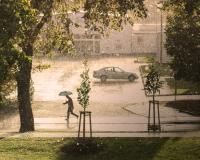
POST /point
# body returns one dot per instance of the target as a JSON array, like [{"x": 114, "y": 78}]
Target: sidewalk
[
  {"x": 111, "y": 127},
  {"x": 178, "y": 97},
  {"x": 173, "y": 124},
  {"x": 63, "y": 134}
]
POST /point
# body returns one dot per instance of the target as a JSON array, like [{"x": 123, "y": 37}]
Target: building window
[
  {"x": 87, "y": 43},
  {"x": 118, "y": 45},
  {"x": 83, "y": 47},
  {"x": 77, "y": 36},
  {"x": 140, "y": 39},
  {"x": 97, "y": 46}
]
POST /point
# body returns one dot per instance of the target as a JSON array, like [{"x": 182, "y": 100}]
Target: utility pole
[
  {"x": 161, "y": 35},
  {"x": 159, "y": 6}
]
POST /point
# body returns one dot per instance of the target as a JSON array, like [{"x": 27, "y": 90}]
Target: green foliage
[
  {"x": 164, "y": 70},
  {"x": 145, "y": 59},
  {"x": 114, "y": 148},
  {"x": 41, "y": 67},
  {"x": 183, "y": 38},
  {"x": 184, "y": 87},
  {"x": 7, "y": 73},
  {"x": 84, "y": 89},
  {"x": 15, "y": 19},
  {"x": 103, "y": 15},
  {"x": 56, "y": 36},
  {"x": 153, "y": 83}
]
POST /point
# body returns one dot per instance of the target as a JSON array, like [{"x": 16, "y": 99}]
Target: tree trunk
[
  {"x": 154, "y": 112},
  {"x": 23, "y": 85},
  {"x": 25, "y": 67},
  {"x": 84, "y": 123}
]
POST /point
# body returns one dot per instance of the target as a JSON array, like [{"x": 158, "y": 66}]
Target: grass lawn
[
  {"x": 145, "y": 59},
  {"x": 163, "y": 69},
  {"x": 188, "y": 106},
  {"x": 184, "y": 87},
  {"x": 113, "y": 149}
]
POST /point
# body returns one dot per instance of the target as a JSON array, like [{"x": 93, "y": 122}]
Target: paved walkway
[
  {"x": 173, "y": 124},
  {"x": 96, "y": 134},
  {"x": 178, "y": 97},
  {"x": 180, "y": 125}
]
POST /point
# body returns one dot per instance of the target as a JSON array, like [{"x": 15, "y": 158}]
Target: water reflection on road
[
  {"x": 117, "y": 91},
  {"x": 65, "y": 75}
]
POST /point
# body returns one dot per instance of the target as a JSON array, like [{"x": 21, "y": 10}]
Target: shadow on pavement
[
  {"x": 191, "y": 107},
  {"x": 112, "y": 83}
]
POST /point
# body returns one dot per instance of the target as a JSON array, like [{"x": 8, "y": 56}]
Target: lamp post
[
  {"x": 88, "y": 50},
  {"x": 159, "y": 6},
  {"x": 161, "y": 36}
]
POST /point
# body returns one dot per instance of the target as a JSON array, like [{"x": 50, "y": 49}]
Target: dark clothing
[
  {"x": 70, "y": 104},
  {"x": 70, "y": 107},
  {"x": 68, "y": 113}
]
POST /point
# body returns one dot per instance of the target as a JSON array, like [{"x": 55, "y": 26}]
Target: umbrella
[{"x": 64, "y": 93}]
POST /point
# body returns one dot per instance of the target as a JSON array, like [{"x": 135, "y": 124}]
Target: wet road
[
  {"x": 105, "y": 98},
  {"x": 65, "y": 75}
]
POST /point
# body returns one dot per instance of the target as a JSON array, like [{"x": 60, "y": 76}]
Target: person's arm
[{"x": 65, "y": 102}]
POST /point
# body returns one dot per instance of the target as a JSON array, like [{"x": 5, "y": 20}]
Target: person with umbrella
[{"x": 70, "y": 104}]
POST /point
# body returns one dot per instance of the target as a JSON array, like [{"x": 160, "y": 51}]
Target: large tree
[
  {"x": 183, "y": 38},
  {"x": 24, "y": 20},
  {"x": 20, "y": 26}
]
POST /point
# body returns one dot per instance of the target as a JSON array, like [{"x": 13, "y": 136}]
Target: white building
[{"x": 142, "y": 38}]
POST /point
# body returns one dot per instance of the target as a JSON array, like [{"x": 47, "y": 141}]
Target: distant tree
[
  {"x": 153, "y": 82},
  {"x": 103, "y": 15},
  {"x": 83, "y": 91},
  {"x": 183, "y": 38}
]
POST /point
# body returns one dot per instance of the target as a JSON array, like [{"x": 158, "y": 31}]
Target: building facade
[{"x": 144, "y": 37}]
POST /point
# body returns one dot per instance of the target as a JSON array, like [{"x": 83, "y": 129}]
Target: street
[{"x": 105, "y": 98}]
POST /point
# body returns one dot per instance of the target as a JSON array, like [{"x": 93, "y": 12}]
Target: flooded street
[
  {"x": 105, "y": 98},
  {"x": 65, "y": 75}
]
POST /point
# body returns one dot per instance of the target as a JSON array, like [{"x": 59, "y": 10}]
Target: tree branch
[{"x": 47, "y": 11}]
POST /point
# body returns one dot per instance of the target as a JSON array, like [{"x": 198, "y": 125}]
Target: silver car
[{"x": 113, "y": 73}]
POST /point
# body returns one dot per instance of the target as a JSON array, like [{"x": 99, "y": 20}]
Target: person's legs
[
  {"x": 68, "y": 113},
  {"x": 74, "y": 114}
]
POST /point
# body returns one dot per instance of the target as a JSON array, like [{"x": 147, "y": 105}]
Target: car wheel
[
  {"x": 103, "y": 78},
  {"x": 131, "y": 78}
]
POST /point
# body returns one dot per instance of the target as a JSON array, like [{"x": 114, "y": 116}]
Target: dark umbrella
[{"x": 64, "y": 93}]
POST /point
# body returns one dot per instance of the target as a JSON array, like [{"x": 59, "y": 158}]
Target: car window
[
  {"x": 118, "y": 70},
  {"x": 109, "y": 69}
]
